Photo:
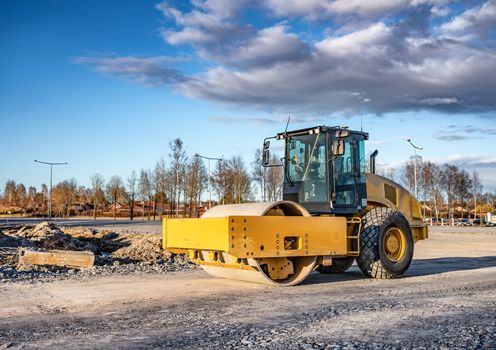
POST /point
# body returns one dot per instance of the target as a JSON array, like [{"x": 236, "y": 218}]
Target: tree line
[
  {"x": 177, "y": 186},
  {"x": 447, "y": 186},
  {"x": 173, "y": 187}
]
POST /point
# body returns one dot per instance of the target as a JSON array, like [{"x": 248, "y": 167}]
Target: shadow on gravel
[
  {"x": 419, "y": 267},
  {"x": 423, "y": 267},
  {"x": 351, "y": 275}
]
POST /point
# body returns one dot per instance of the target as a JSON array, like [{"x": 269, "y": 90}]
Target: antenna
[
  {"x": 287, "y": 124},
  {"x": 361, "y": 121}
]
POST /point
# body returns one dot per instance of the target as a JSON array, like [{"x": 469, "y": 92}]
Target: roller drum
[{"x": 257, "y": 269}]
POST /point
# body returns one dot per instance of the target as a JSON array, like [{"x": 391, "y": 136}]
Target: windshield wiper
[{"x": 310, "y": 158}]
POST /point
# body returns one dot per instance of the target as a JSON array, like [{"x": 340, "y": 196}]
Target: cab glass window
[{"x": 307, "y": 163}]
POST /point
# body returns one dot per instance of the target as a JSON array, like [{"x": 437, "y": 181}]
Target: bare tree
[
  {"x": 64, "y": 195},
  {"x": 449, "y": 176},
  {"x": 407, "y": 176},
  {"x": 44, "y": 193},
  {"x": 462, "y": 188},
  {"x": 178, "y": 159},
  {"x": 274, "y": 181},
  {"x": 259, "y": 174},
  {"x": 220, "y": 181},
  {"x": 132, "y": 183},
  {"x": 169, "y": 191},
  {"x": 242, "y": 179},
  {"x": 83, "y": 195},
  {"x": 432, "y": 178},
  {"x": 115, "y": 191},
  {"x": 145, "y": 189},
  {"x": 21, "y": 194},
  {"x": 10, "y": 192},
  {"x": 97, "y": 193},
  {"x": 232, "y": 180},
  {"x": 490, "y": 200},
  {"x": 32, "y": 196},
  {"x": 269, "y": 180},
  {"x": 196, "y": 177},
  {"x": 476, "y": 190},
  {"x": 160, "y": 185}
]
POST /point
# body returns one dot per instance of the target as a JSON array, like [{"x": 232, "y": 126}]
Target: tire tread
[{"x": 369, "y": 260}]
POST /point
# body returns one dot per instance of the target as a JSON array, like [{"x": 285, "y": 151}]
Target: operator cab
[{"x": 324, "y": 169}]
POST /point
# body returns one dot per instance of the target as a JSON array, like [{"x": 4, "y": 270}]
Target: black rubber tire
[
  {"x": 372, "y": 259},
  {"x": 339, "y": 265}
]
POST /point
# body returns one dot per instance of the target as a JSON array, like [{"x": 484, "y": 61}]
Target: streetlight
[
  {"x": 51, "y": 175},
  {"x": 209, "y": 185},
  {"x": 415, "y": 148}
]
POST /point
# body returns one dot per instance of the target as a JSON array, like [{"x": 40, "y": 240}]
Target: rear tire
[
  {"x": 339, "y": 265},
  {"x": 386, "y": 244}
]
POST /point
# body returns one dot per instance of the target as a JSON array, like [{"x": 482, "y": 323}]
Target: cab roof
[{"x": 317, "y": 130}]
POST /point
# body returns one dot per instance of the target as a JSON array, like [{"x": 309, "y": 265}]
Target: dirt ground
[{"x": 446, "y": 300}]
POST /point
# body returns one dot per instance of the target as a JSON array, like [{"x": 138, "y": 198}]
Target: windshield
[{"x": 307, "y": 163}]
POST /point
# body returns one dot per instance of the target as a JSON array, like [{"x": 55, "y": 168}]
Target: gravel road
[{"x": 447, "y": 300}]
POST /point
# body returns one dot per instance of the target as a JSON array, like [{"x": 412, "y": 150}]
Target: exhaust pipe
[{"x": 372, "y": 161}]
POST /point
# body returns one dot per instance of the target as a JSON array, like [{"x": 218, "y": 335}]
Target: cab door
[
  {"x": 344, "y": 176},
  {"x": 348, "y": 176}
]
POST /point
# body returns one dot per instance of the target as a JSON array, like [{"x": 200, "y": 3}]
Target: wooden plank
[{"x": 65, "y": 258}]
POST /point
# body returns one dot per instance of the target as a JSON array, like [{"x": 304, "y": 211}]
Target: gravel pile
[
  {"x": 48, "y": 236},
  {"x": 115, "y": 253}
]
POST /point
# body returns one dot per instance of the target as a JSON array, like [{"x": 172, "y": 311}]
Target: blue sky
[{"x": 105, "y": 85}]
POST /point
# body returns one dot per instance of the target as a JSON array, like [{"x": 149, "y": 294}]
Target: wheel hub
[{"x": 394, "y": 244}]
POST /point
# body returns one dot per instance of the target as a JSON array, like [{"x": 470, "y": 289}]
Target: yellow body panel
[
  {"x": 259, "y": 236},
  {"x": 384, "y": 192},
  {"x": 209, "y": 234}
]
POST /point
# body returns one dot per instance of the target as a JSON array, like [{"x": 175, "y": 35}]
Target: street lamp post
[
  {"x": 415, "y": 148},
  {"x": 209, "y": 185},
  {"x": 51, "y": 176}
]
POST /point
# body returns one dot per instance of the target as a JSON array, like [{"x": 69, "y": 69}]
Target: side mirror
[
  {"x": 372, "y": 161},
  {"x": 266, "y": 153},
  {"x": 342, "y": 133},
  {"x": 338, "y": 148}
]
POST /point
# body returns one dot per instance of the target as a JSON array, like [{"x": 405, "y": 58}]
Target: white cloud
[
  {"x": 271, "y": 45},
  {"x": 365, "y": 8},
  {"x": 368, "y": 41},
  {"x": 375, "y": 65},
  {"x": 319, "y": 9},
  {"x": 473, "y": 20},
  {"x": 393, "y": 72},
  {"x": 435, "y": 101},
  {"x": 209, "y": 22},
  {"x": 480, "y": 161},
  {"x": 154, "y": 71},
  {"x": 464, "y": 132},
  {"x": 294, "y": 7},
  {"x": 440, "y": 11}
]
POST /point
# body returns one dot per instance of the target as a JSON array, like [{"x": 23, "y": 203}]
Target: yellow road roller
[{"x": 332, "y": 214}]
